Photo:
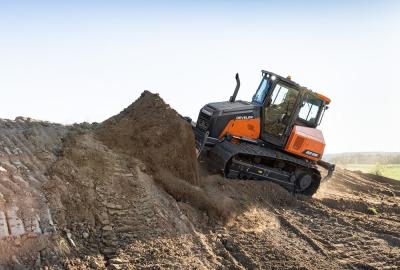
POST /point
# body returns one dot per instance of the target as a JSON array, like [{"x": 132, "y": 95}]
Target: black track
[{"x": 238, "y": 161}]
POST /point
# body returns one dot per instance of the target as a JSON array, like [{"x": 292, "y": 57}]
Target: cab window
[
  {"x": 278, "y": 112},
  {"x": 284, "y": 98},
  {"x": 262, "y": 91},
  {"x": 310, "y": 110}
]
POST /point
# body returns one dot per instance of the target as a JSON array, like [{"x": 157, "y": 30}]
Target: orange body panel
[
  {"x": 324, "y": 98},
  {"x": 247, "y": 128},
  {"x": 306, "y": 142}
]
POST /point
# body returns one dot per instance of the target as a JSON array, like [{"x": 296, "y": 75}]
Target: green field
[{"x": 388, "y": 170}]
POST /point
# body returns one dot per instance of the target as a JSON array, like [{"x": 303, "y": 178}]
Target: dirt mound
[
  {"x": 156, "y": 134},
  {"x": 151, "y": 131}
]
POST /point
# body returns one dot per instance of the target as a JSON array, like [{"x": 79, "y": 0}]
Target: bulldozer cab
[{"x": 284, "y": 104}]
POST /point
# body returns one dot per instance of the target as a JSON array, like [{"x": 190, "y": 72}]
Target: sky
[{"x": 74, "y": 61}]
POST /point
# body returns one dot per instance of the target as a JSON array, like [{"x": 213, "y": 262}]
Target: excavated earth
[{"x": 128, "y": 194}]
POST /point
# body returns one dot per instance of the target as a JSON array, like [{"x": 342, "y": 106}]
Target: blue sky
[{"x": 73, "y": 61}]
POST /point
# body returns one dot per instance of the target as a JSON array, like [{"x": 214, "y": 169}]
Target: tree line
[{"x": 367, "y": 158}]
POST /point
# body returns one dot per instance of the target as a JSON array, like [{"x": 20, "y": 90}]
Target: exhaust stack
[{"x": 233, "y": 97}]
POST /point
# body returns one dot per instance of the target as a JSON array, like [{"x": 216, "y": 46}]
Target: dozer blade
[
  {"x": 199, "y": 148},
  {"x": 327, "y": 166}
]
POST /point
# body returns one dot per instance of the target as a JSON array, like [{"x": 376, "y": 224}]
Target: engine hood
[
  {"x": 214, "y": 117},
  {"x": 226, "y": 107}
]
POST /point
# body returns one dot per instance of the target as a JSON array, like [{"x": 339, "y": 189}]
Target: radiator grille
[{"x": 203, "y": 121}]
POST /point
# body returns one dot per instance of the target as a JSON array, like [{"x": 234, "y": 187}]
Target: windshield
[
  {"x": 262, "y": 91},
  {"x": 310, "y": 110}
]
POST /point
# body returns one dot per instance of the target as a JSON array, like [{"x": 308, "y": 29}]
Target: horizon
[
  {"x": 366, "y": 152},
  {"x": 84, "y": 61}
]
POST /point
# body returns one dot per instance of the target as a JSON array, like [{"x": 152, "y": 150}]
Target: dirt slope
[
  {"x": 27, "y": 148},
  {"x": 126, "y": 194}
]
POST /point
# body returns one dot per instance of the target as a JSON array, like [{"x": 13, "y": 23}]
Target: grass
[
  {"x": 372, "y": 211},
  {"x": 387, "y": 170}
]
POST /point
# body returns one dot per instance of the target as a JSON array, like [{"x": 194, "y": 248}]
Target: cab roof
[{"x": 290, "y": 82}]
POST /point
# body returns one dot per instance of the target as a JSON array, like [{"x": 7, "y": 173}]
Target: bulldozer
[{"x": 273, "y": 137}]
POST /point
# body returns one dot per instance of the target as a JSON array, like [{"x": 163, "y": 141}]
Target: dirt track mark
[
  {"x": 238, "y": 254},
  {"x": 343, "y": 240}
]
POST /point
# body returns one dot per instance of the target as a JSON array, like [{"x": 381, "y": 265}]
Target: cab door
[{"x": 278, "y": 114}]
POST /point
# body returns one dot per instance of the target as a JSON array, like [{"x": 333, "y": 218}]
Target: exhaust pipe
[{"x": 233, "y": 97}]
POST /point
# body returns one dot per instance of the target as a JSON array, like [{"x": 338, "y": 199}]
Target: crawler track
[{"x": 249, "y": 161}]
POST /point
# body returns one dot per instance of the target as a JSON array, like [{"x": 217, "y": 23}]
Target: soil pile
[
  {"x": 151, "y": 131},
  {"x": 156, "y": 134}
]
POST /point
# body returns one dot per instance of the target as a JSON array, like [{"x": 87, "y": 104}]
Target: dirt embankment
[
  {"x": 126, "y": 194},
  {"x": 28, "y": 236}
]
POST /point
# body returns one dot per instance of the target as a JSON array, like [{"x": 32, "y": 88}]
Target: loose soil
[{"x": 127, "y": 194}]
